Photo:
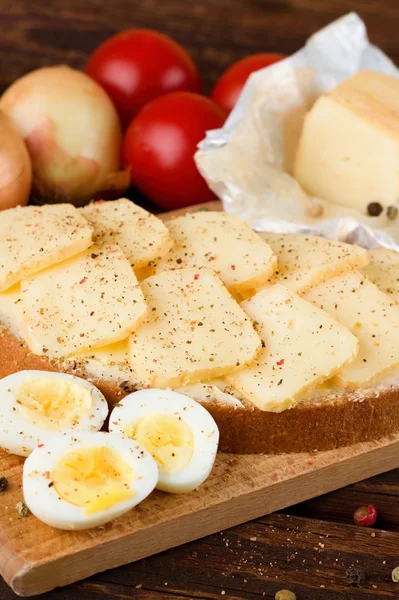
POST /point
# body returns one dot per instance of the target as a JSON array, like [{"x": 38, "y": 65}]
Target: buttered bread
[{"x": 308, "y": 361}]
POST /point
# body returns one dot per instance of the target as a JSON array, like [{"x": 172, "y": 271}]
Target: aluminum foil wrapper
[{"x": 248, "y": 162}]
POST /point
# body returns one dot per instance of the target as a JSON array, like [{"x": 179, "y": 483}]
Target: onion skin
[
  {"x": 15, "y": 167},
  {"x": 72, "y": 132}
]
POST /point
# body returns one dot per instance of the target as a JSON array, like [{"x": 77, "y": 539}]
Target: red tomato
[
  {"x": 138, "y": 65},
  {"x": 229, "y": 86},
  {"x": 159, "y": 148}
]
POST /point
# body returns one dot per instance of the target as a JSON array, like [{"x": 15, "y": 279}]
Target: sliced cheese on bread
[
  {"x": 303, "y": 346},
  {"x": 141, "y": 236},
  {"x": 307, "y": 260},
  {"x": 223, "y": 243},
  {"x": 383, "y": 270},
  {"x": 35, "y": 237},
  {"x": 371, "y": 315},
  {"x": 89, "y": 301},
  {"x": 195, "y": 330}
]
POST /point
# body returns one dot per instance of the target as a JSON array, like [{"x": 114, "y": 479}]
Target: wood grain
[{"x": 217, "y": 32}]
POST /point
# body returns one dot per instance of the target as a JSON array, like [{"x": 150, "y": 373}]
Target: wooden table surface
[{"x": 313, "y": 549}]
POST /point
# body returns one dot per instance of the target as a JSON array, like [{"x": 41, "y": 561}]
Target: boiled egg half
[
  {"x": 87, "y": 479},
  {"x": 36, "y": 405},
  {"x": 178, "y": 432}
]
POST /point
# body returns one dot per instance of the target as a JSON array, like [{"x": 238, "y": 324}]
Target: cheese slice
[
  {"x": 108, "y": 363},
  {"x": 383, "y": 270},
  {"x": 307, "y": 260},
  {"x": 10, "y": 311},
  {"x": 89, "y": 301},
  {"x": 371, "y": 315},
  {"x": 349, "y": 148},
  {"x": 141, "y": 236},
  {"x": 35, "y": 237},
  {"x": 303, "y": 346},
  {"x": 223, "y": 243},
  {"x": 195, "y": 330}
]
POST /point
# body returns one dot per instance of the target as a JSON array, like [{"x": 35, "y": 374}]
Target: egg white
[
  {"x": 137, "y": 405},
  {"x": 43, "y": 500},
  {"x": 19, "y": 435}
]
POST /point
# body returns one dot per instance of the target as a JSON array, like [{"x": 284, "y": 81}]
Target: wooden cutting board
[{"x": 35, "y": 558}]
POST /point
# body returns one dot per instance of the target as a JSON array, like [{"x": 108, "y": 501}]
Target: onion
[
  {"x": 15, "y": 167},
  {"x": 72, "y": 132}
]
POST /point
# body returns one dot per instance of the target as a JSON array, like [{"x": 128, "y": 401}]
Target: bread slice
[
  {"x": 324, "y": 418},
  {"x": 328, "y": 419}
]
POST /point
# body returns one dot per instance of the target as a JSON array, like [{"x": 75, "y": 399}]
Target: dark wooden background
[{"x": 312, "y": 549}]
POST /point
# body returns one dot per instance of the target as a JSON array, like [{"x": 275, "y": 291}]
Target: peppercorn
[
  {"x": 3, "y": 484},
  {"x": 374, "y": 209},
  {"x": 354, "y": 576},
  {"x": 365, "y": 516},
  {"x": 22, "y": 509},
  {"x": 285, "y": 595},
  {"x": 392, "y": 212}
]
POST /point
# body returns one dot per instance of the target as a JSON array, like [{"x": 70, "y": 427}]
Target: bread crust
[
  {"x": 307, "y": 428},
  {"x": 327, "y": 425}
]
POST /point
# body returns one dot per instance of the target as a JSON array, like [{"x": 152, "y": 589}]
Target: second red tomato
[
  {"x": 230, "y": 84},
  {"x": 160, "y": 144}
]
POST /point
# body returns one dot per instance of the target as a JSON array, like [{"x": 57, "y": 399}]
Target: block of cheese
[
  {"x": 303, "y": 346},
  {"x": 349, "y": 147},
  {"x": 35, "y": 237},
  {"x": 10, "y": 310},
  {"x": 223, "y": 243},
  {"x": 307, "y": 260},
  {"x": 195, "y": 330},
  {"x": 141, "y": 236},
  {"x": 383, "y": 270},
  {"x": 89, "y": 301},
  {"x": 371, "y": 315}
]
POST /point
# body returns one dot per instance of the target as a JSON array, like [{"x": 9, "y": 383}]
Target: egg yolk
[
  {"x": 95, "y": 478},
  {"x": 167, "y": 437},
  {"x": 51, "y": 403}
]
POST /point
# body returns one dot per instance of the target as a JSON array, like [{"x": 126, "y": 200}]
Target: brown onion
[
  {"x": 15, "y": 167},
  {"x": 72, "y": 132}
]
